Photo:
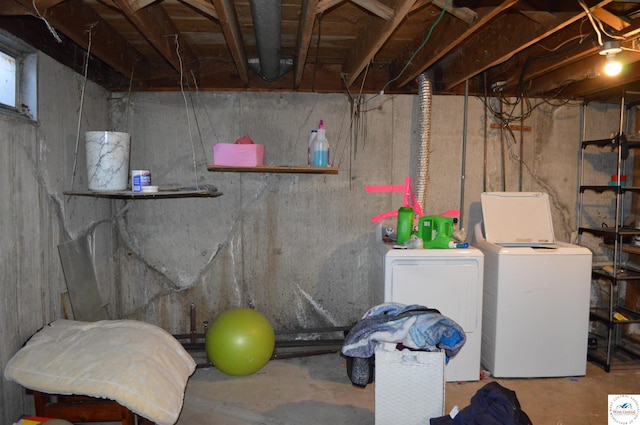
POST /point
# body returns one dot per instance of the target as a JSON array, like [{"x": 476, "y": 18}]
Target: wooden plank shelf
[
  {"x": 161, "y": 194},
  {"x": 302, "y": 169}
]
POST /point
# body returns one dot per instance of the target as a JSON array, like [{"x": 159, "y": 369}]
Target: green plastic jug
[{"x": 436, "y": 231}]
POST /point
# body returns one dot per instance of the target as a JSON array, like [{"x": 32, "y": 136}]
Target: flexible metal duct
[
  {"x": 267, "y": 28},
  {"x": 424, "y": 135}
]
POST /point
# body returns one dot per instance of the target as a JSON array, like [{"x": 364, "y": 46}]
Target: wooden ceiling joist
[
  {"x": 79, "y": 22},
  {"x": 157, "y": 27},
  {"x": 231, "y": 29},
  {"x": 374, "y": 36}
]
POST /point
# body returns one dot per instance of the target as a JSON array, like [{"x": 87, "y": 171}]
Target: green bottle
[{"x": 405, "y": 224}]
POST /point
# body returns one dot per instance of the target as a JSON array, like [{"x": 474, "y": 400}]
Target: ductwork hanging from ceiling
[{"x": 267, "y": 28}]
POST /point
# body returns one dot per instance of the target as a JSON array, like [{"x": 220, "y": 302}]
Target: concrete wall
[
  {"x": 36, "y": 163},
  {"x": 298, "y": 247},
  {"x": 295, "y": 246}
]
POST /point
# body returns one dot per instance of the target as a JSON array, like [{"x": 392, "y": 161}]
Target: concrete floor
[{"x": 317, "y": 390}]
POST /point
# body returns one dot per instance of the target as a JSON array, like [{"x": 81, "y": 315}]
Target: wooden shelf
[
  {"x": 633, "y": 249},
  {"x": 303, "y": 169},
  {"x": 161, "y": 194}
]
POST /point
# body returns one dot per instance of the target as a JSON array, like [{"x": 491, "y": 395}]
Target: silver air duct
[
  {"x": 424, "y": 128},
  {"x": 267, "y": 28}
]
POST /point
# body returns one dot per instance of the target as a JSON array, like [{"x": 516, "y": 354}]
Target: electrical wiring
[{"x": 424, "y": 42}]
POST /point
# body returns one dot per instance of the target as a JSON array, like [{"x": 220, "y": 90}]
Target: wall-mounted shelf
[
  {"x": 303, "y": 169},
  {"x": 161, "y": 194}
]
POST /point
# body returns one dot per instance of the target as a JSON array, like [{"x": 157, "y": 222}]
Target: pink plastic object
[
  {"x": 239, "y": 155},
  {"x": 409, "y": 198},
  {"x": 244, "y": 140}
]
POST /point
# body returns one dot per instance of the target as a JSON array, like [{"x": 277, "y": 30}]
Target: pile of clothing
[{"x": 414, "y": 327}]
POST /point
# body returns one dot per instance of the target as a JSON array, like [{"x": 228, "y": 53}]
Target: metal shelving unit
[{"x": 614, "y": 345}]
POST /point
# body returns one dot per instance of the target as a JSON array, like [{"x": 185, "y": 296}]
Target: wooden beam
[
  {"x": 140, "y": 4},
  {"x": 46, "y": 4},
  {"x": 532, "y": 64},
  {"x": 524, "y": 33},
  {"x": 586, "y": 76},
  {"x": 451, "y": 40},
  {"x": 203, "y": 6},
  {"x": 13, "y": 8},
  {"x": 327, "y": 4},
  {"x": 465, "y": 14},
  {"x": 75, "y": 19},
  {"x": 373, "y": 38},
  {"x": 158, "y": 28},
  {"x": 381, "y": 10},
  {"x": 231, "y": 30},
  {"x": 610, "y": 19},
  {"x": 305, "y": 31}
]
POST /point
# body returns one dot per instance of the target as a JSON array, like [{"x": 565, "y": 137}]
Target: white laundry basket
[{"x": 409, "y": 386}]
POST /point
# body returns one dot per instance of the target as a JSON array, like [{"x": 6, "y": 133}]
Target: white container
[
  {"x": 312, "y": 138},
  {"x": 140, "y": 179},
  {"x": 409, "y": 387},
  {"x": 107, "y": 160}
]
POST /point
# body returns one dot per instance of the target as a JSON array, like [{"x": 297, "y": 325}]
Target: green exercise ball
[{"x": 240, "y": 341}]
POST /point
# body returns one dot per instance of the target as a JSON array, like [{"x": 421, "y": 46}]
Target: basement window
[{"x": 18, "y": 78}]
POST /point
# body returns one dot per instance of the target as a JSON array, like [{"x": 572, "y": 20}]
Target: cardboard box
[
  {"x": 409, "y": 386},
  {"x": 239, "y": 155}
]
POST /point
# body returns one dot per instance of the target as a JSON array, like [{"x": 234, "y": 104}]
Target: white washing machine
[
  {"x": 449, "y": 280},
  {"x": 536, "y": 290}
]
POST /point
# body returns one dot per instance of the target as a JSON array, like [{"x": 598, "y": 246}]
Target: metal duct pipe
[
  {"x": 424, "y": 129},
  {"x": 267, "y": 28}
]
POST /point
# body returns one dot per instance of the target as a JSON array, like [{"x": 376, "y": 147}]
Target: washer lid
[{"x": 517, "y": 218}]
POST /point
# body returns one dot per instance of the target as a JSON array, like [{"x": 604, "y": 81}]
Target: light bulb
[{"x": 612, "y": 67}]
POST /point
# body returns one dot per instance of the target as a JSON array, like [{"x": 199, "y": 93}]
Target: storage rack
[{"x": 614, "y": 345}]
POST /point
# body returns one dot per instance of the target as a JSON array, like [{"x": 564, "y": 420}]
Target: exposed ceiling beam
[
  {"x": 203, "y": 6},
  {"x": 305, "y": 31},
  {"x": 233, "y": 36},
  {"x": 596, "y": 83},
  {"x": 139, "y": 4},
  {"x": 13, "y": 8},
  {"x": 615, "y": 22},
  {"x": 452, "y": 39},
  {"x": 463, "y": 13},
  {"x": 374, "y": 37},
  {"x": 380, "y": 10},
  {"x": 327, "y": 4},
  {"x": 524, "y": 33},
  {"x": 46, "y": 4},
  {"x": 558, "y": 50},
  {"x": 78, "y": 21},
  {"x": 160, "y": 32}
]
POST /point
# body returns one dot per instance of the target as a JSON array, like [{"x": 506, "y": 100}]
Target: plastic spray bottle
[
  {"x": 312, "y": 138},
  {"x": 320, "y": 148}
]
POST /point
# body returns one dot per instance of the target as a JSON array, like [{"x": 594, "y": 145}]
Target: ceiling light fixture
[{"x": 610, "y": 49}]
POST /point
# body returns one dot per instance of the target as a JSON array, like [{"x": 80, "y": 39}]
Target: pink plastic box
[{"x": 240, "y": 155}]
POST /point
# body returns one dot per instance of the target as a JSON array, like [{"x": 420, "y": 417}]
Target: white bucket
[{"x": 107, "y": 160}]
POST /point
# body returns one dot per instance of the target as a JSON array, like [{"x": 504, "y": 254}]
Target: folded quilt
[{"x": 139, "y": 365}]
